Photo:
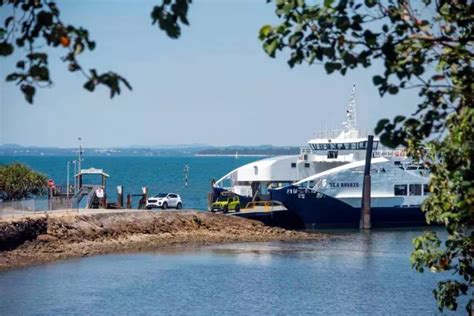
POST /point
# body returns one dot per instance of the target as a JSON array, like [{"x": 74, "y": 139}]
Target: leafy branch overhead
[
  {"x": 424, "y": 45},
  {"x": 170, "y": 14},
  {"x": 34, "y": 24}
]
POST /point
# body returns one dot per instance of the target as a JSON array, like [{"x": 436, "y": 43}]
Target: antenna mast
[{"x": 351, "y": 112}]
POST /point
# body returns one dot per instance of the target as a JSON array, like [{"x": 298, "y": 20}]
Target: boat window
[
  {"x": 255, "y": 170},
  {"x": 307, "y": 165},
  {"x": 293, "y": 165},
  {"x": 332, "y": 146},
  {"x": 426, "y": 189},
  {"x": 415, "y": 189},
  {"x": 375, "y": 145},
  {"x": 332, "y": 154},
  {"x": 362, "y": 145},
  {"x": 400, "y": 189}
]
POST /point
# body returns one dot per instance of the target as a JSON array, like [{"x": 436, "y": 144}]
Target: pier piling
[{"x": 365, "y": 210}]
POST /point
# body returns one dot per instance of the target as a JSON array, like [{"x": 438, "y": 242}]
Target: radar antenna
[{"x": 351, "y": 119}]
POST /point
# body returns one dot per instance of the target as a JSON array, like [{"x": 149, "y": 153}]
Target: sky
[{"x": 214, "y": 85}]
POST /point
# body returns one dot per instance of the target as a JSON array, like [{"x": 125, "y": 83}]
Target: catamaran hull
[{"x": 316, "y": 210}]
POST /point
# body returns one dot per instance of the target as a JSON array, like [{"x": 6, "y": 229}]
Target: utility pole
[{"x": 365, "y": 221}]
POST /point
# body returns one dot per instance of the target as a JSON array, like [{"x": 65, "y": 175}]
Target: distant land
[{"x": 165, "y": 150}]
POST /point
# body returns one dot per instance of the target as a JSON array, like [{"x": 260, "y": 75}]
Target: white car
[{"x": 165, "y": 200}]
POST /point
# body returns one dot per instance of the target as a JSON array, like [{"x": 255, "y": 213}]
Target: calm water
[
  {"x": 159, "y": 174},
  {"x": 358, "y": 273}
]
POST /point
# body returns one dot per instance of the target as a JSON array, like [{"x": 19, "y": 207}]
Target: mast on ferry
[{"x": 351, "y": 119}]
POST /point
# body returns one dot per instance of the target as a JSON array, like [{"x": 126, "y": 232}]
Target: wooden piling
[
  {"x": 120, "y": 196},
  {"x": 365, "y": 220}
]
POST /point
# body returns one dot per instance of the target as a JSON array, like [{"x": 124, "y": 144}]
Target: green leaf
[
  {"x": 29, "y": 92},
  {"x": 12, "y": 77},
  {"x": 264, "y": 32},
  {"x": 378, "y": 80},
  {"x": 328, "y": 3},
  {"x": 393, "y": 90},
  {"x": 6, "y": 49},
  {"x": 270, "y": 47},
  {"x": 89, "y": 85},
  {"x": 380, "y": 126}
]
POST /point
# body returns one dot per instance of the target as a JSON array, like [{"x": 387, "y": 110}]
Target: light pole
[
  {"x": 67, "y": 179},
  {"x": 80, "y": 154},
  {"x": 68, "y": 174},
  {"x": 75, "y": 172}
]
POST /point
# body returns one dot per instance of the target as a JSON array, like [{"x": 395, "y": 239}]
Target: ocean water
[
  {"x": 354, "y": 274},
  {"x": 159, "y": 174}
]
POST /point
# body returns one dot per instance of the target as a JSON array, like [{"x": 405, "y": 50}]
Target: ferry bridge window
[
  {"x": 351, "y": 146},
  {"x": 415, "y": 189},
  {"x": 332, "y": 154},
  {"x": 293, "y": 165},
  {"x": 400, "y": 189},
  {"x": 307, "y": 165},
  {"x": 426, "y": 189},
  {"x": 362, "y": 145}
]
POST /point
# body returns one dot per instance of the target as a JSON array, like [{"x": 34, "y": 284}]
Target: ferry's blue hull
[{"x": 316, "y": 210}]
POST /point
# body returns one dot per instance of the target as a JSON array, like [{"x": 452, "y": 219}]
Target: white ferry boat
[
  {"x": 327, "y": 150},
  {"x": 333, "y": 198}
]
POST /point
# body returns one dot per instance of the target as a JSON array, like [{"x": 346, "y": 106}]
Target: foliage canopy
[
  {"x": 425, "y": 45},
  {"x": 18, "y": 182}
]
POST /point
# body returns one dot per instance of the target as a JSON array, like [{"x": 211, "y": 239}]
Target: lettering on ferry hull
[{"x": 344, "y": 184}]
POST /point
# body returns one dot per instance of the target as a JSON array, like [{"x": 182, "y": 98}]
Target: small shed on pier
[{"x": 91, "y": 171}]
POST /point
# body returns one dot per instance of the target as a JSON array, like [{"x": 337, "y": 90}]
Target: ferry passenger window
[
  {"x": 255, "y": 170},
  {"x": 400, "y": 189},
  {"x": 307, "y": 165},
  {"x": 362, "y": 145},
  {"x": 415, "y": 189},
  {"x": 426, "y": 189},
  {"x": 293, "y": 165},
  {"x": 332, "y": 154}
]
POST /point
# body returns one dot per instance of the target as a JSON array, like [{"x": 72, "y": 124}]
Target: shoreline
[{"x": 49, "y": 239}]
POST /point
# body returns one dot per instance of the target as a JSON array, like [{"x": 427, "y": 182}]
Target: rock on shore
[{"x": 47, "y": 239}]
